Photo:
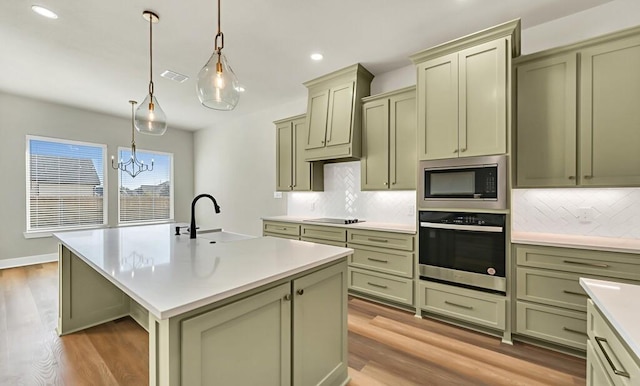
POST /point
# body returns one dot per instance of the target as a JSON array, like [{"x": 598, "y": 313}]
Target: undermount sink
[{"x": 220, "y": 236}]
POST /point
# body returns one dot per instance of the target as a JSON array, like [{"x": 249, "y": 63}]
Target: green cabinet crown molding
[
  {"x": 389, "y": 94},
  {"x": 288, "y": 119},
  {"x": 339, "y": 76},
  {"x": 510, "y": 28},
  {"x": 617, "y": 35}
]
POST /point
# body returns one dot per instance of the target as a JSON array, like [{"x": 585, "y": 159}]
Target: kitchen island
[{"x": 220, "y": 309}]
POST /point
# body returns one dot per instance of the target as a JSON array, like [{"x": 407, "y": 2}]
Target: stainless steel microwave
[{"x": 463, "y": 183}]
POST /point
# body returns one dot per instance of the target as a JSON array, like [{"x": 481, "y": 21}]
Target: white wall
[
  {"x": 20, "y": 116},
  {"x": 236, "y": 164}
]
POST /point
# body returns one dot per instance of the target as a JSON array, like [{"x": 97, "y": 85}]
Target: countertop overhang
[
  {"x": 170, "y": 275},
  {"x": 610, "y": 244}
]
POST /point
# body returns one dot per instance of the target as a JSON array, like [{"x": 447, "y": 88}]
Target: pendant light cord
[
  {"x": 151, "y": 55},
  {"x": 133, "y": 128},
  {"x": 219, "y": 48}
]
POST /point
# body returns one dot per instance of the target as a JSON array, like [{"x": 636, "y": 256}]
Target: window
[
  {"x": 65, "y": 184},
  {"x": 149, "y": 196}
]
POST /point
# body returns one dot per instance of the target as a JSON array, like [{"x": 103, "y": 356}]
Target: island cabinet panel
[
  {"x": 596, "y": 372},
  {"x": 245, "y": 343},
  {"x": 87, "y": 300}
]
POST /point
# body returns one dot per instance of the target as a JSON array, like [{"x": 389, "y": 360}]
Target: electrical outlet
[
  {"x": 411, "y": 210},
  {"x": 277, "y": 194},
  {"x": 585, "y": 214}
]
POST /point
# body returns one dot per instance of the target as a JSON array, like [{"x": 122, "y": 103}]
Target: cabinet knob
[
  {"x": 291, "y": 186},
  {"x": 393, "y": 183},
  {"x": 321, "y": 141},
  {"x": 287, "y": 297},
  {"x": 572, "y": 177},
  {"x": 455, "y": 151},
  {"x": 385, "y": 183},
  {"x": 300, "y": 291},
  {"x": 463, "y": 149},
  {"x": 588, "y": 177}
]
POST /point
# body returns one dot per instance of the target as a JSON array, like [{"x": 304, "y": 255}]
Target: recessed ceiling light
[
  {"x": 316, "y": 56},
  {"x": 42, "y": 11}
]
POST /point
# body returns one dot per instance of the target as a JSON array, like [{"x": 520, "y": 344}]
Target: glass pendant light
[
  {"x": 133, "y": 166},
  {"x": 218, "y": 87},
  {"x": 149, "y": 117}
]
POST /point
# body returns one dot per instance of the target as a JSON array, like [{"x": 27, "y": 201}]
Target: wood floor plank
[
  {"x": 518, "y": 366},
  {"x": 360, "y": 379},
  {"x": 455, "y": 362}
]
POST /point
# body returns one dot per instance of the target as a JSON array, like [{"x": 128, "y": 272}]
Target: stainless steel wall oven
[{"x": 463, "y": 248}]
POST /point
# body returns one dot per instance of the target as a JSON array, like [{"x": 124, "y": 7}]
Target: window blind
[
  {"x": 149, "y": 196},
  {"x": 65, "y": 184}
]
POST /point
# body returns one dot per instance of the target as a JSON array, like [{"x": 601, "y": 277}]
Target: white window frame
[
  {"x": 171, "y": 189},
  {"x": 37, "y": 233}
]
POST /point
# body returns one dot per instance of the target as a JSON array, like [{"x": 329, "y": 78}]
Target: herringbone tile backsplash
[
  {"x": 342, "y": 197},
  {"x": 587, "y": 212}
]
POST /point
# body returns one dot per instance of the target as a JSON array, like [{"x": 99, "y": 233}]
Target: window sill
[
  {"x": 43, "y": 234},
  {"x": 135, "y": 224}
]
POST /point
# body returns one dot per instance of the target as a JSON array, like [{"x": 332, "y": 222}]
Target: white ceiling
[{"x": 95, "y": 56}]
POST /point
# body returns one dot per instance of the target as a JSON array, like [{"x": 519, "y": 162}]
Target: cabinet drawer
[
  {"x": 394, "y": 288},
  {"x": 382, "y": 260},
  {"x": 281, "y": 236},
  {"x": 282, "y": 228},
  {"x": 459, "y": 303},
  {"x": 555, "y": 325},
  {"x": 610, "y": 264},
  {"x": 326, "y": 242},
  {"x": 324, "y": 233},
  {"x": 381, "y": 239},
  {"x": 611, "y": 350},
  {"x": 553, "y": 288}
]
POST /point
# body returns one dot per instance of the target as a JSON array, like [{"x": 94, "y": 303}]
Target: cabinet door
[
  {"x": 483, "y": 99},
  {"x": 596, "y": 373},
  {"x": 320, "y": 327},
  {"x": 284, "y": 152},
  {"x": 340, "y": 114},
  {"x": 301, "y": 168},
  {"x": 402, "y": 142},
  {"x": 375, "y": 143},
  {"x": 245, "y": 343},
  {"x": 610, "y": 114},
  {"x": 546, "y": 129},
  {"x": 317, "y": 119},
  {"x": 438, "y": 108}
]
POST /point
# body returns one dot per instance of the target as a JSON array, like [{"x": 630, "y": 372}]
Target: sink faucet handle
[{"x": 178, "y": 229}]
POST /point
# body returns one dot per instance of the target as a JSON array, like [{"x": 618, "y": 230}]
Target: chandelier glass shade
[
  {"x": 132, "y": 166},
  {"x": 218, "y": 87},
  {"x": 149, "y": 117}
]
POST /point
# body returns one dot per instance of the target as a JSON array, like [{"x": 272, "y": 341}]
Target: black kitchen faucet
[{"x": 192, "y": 227}]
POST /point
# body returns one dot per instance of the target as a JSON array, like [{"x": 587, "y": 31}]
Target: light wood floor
[{"x": 386, "y": 346}]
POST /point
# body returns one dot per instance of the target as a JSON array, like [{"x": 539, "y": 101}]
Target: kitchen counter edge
[{"x": 365, "y": 225}]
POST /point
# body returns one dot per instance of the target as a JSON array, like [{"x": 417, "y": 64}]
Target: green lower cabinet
[
  {"x": 596, "y": 372},
  {"x": 292, "y": 334},
  {"x": 552, "y": 324}
]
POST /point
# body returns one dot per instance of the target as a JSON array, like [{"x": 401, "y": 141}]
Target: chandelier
[{"x": 133, "y": 166}]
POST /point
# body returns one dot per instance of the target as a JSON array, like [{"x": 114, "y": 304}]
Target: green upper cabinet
[
  {"x": 578, "y": 121},
  {"x": 546, "y": 122},
  {"x": 333, "y": 112},
  {"x": 464, "y": 94},
  {"x": 610, "y": 113},
  {"x": 389, "y": 141},
  {"x": 292, "y": 171}
]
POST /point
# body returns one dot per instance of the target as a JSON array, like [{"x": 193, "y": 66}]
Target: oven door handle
[{"x": 476, "y": 228}]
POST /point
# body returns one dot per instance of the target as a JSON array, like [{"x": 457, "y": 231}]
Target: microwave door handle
[{"x": 477, "y": 228}]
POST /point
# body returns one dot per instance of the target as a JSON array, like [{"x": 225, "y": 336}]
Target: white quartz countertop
[
  {"x": 620, "y": 305},
  {"x": 170, "y": 275},
  {"x": 375, "y": 226},
  {"x": 612, "y": 244}
]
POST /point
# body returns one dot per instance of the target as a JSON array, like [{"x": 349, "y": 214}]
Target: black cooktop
[{"x": 330, "y": 220}]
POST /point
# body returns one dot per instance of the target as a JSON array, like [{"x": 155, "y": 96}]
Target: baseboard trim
[{"x": 28, "y": 260}]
